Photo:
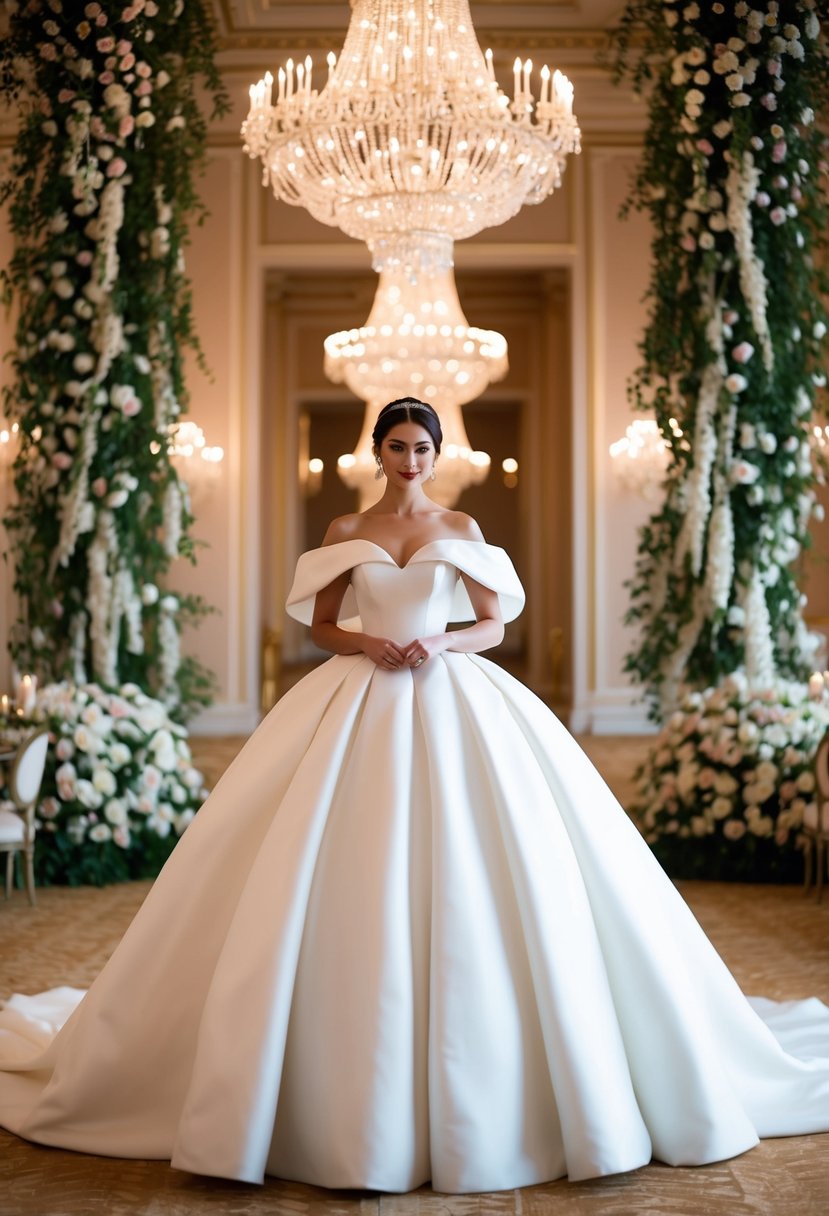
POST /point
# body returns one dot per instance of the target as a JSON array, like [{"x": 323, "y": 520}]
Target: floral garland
[
  {"x": 734, "y": 177},
  {"x": 101, "y": 187},
  {"x": 119, "y": 787},
  {"x": 724, "y": 788}
]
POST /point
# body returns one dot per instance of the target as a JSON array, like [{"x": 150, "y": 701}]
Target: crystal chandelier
[
  {"x": 410, "y": 145},
  {"x": 411, "y": 132}
]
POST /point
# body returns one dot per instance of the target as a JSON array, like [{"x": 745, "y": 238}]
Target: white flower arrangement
[
  {"x": 99, "y": 199},
  {"x": 120, "y": 786},
  {"x": 736, "y": 189},
  {"x": 728, "y": 779}
]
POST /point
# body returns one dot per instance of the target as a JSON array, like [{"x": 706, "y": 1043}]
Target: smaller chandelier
[{"x": 417, "y": 338}]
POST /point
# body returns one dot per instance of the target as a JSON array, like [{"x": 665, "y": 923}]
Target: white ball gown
[{"x": 412, "y": 936}]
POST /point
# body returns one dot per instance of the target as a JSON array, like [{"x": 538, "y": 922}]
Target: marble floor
[{"x": 775, "y": 940}]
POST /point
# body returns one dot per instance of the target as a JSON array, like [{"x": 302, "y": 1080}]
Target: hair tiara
[{"x": 408, "y": 403}]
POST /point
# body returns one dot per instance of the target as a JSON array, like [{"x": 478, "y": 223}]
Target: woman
[{"x": 411, "y": 935}]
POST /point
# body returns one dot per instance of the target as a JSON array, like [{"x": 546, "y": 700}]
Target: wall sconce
[
  {"x": 640, "y": 457},
  {"x": 188, "y": 445},
  {"x": 8, "y": 435},
  {"x": 313, "y": 480},
  {"x": 509, "y": 467}
]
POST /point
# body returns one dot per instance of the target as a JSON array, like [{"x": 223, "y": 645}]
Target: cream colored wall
[{"x": 616, "y": 257}]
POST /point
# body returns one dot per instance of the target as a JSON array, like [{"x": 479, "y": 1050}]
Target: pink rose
[
  {"x": 143, "y": 69},
  {"x": 84, "y": 258},
  {"x": 48, "y": 51},
  {"x": 126, "y": 126},
  {"x": 778, "y": 152},
  {"x": 706, "y": 147},
  {"x": 144, "y": 89},
  {"x": 105, "y": 45},
  {"x": 92, "y": 10},
  {"x": 106, "y": 78},
  {"x": 62, "y": 460},
  {"x": 777, "y": 215},
  {"x": 66, "y": 95},
  {"x": 742, "y": 353},
  {"x": 99, "y": 487},
  {"x": 101, "y": 19},
  {"x": 117, "y": 167},
  {"x": 688, "y": 243},
  {"x": 773, "y": 67},
  {"x": 56, "y": 608},
  {"x": 131, "y": 407},
  {"x": 127, "y": 62},
  {"x": 124, "y": 47}
]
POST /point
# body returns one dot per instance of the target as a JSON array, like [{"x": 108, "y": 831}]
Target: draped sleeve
[
  {"x": 488, "y": 565},
  {"x": 315, "y": 570}
]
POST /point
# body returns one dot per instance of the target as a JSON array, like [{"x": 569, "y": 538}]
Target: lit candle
[
  {"x": 4, "y": 706},
  {"x": 27, "y": 694},
  {"x": 816, "y": 684},
  {"x": 528, "y": 66},
  {"x": 268, "y": 89},
  {"x": 545, "y": 84},
  {"x": 516, "y": 71},
  {"x": 332, "y": 63},
  {"x": 281, "y": 78},
  {"x": 289, "y": 79},
  {"x": 309, "y": 63}
]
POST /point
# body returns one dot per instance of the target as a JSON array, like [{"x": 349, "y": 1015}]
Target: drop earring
[
  {"x": 380, "y": 470},
  {"x": 434, "y": 473}
]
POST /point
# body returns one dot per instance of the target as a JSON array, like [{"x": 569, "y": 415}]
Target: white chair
[
  {"x": 17, "y": 824},
  {"x": 814, "y": 835}
]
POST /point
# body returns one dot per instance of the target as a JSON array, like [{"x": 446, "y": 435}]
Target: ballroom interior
[{"x": 565, "y": 282}]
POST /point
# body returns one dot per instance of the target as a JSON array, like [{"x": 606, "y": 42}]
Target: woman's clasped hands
[{"x": 391, "y": 656}]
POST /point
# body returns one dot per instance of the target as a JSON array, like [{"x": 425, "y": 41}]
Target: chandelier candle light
[{"x": 409, "y": 146}]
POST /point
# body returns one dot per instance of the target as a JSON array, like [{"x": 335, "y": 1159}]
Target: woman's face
[{"x": 407, "y": 453}]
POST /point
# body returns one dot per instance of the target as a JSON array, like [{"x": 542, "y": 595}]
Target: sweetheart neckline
[{"x": 441, "y": 540}]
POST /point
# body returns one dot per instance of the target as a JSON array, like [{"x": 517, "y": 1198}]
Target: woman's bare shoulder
[
  {"x": 344, "y": 527},
  {"x": 462, "y": 526}
]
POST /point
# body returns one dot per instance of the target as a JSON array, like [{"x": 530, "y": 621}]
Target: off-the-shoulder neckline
[{"x": 441, "y": 540}]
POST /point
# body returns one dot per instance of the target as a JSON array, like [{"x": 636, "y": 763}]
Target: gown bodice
[{"x": 405, "y": 602}]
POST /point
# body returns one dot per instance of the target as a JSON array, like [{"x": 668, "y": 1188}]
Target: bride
[{"x": 411, "y": 935}]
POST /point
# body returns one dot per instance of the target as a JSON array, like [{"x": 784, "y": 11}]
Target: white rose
[
  {"x": 119, "y": 755},
  {"x": 100, "y": 832},
  {"x": 104, "y": 781},
  {"x": 87, "y": 795},
  {"x": 734, "y": 829},
  {"x": 116, "y": 812}
]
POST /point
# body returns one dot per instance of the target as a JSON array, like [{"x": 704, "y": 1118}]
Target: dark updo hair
[{"x": 407, "y": 409}]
